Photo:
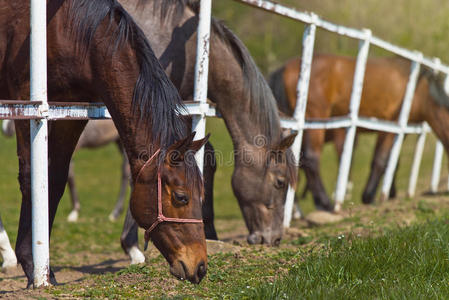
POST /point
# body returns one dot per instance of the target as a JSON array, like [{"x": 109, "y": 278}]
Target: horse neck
[
  {"x": 228, "y": 90},
  {"x": 110, "y": 77}
]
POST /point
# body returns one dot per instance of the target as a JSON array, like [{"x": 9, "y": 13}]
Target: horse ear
[
  {"x": 196, "y": 145},
  {"x": 286, "y": 142},
  {"x": 175, "y": 153}
]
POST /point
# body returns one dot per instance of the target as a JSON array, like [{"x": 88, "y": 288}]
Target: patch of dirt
[
  {"x": 318, "y": 218},
  {"x": 13, "y": 282}
]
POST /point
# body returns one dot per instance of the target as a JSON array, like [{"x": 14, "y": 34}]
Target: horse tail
[{"x": 276, "y": 82}]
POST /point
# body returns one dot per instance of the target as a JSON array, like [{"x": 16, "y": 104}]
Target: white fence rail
[{"x": 39, "y": 111}]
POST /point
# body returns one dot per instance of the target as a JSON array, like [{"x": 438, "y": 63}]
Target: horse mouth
[{"x": 180, "y": 271}]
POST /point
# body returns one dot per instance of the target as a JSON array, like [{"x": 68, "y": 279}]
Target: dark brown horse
[
  {"x": 97, "y": 53},
  {"x": 263, "y": 165},
  {"x": 383, "y": 91}
]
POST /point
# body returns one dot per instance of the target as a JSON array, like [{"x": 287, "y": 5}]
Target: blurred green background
[{"x": 415, "y": 24}]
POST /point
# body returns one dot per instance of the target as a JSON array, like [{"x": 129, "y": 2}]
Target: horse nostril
[
  {"x": 201, "y": 271},
  {"x": 184, "y": 268},
  {"x": 254, "y": 239}
]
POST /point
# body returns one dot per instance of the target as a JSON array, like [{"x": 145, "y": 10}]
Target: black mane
[
  {"x": 436, "y": 86},
  {"x": 155, "y": 97},
  {"x": 263, "y": 108}
]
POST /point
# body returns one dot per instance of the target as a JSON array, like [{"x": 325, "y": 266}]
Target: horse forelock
[{"x": 155, "y": 97}]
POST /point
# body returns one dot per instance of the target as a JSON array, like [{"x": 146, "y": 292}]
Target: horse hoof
[
  {"x": 383, "y": 198},
  {"x": 9, "y": 262},
  {"x": 136, "y": 256},
  {"x": 73, "y": 216},
  {"x": 112, "y": 217}
]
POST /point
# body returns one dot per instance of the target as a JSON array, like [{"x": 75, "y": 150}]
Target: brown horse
[
  {"x": 263, "y": 164},
  {"x": 97, "y": 133},
  {"x": 97, "y": 53},
  {"x": 383, "y": 91}
]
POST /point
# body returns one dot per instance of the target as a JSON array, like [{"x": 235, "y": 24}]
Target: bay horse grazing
[
  {"x": 97, "y": 133},
  {"x": 97, "y": 53},
  {"x": 263, "y": 164},
  {"x": 383, "y": 92}
]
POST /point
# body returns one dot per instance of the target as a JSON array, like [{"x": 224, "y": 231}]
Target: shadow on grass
[{"x": 98, "y": 268}]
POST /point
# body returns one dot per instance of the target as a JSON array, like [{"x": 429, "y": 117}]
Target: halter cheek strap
[{"x": 160, "y": 216}]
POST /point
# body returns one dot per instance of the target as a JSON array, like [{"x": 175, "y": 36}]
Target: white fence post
[
  {"x": 436, "y": 171},
  {"x": 403, "y": 119},
  {"x": 356, "y": 95},
  {"x": 417, "y": 158},
  {"x": 302, "y": 92},
  {"x": 39, "y": 146},
  {"x": 201, "y": 75}
]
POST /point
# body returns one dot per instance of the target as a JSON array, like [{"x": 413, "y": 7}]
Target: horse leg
[
  {"x": 129, "y": 239},
  {"x": 73, "y": 216},
  {"x": 393, "y": 183},
  {"x": 378, "y": 165},
  {"x": 63, "y": 137},
  {"x": 9, "y": 257},
  {"x": 210, "y": 166},
  {"x": 313, "y": 144},
  {"x": 126, "y": 175}
]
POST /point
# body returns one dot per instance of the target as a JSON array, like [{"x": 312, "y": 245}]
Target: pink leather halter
[{"x": 160, "y": 216}]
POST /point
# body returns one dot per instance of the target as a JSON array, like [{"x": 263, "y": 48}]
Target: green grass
[{"x": 405, "y": 263}]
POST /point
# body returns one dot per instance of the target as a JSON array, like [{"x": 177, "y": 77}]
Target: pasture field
[{"x": 397, "y": 249}]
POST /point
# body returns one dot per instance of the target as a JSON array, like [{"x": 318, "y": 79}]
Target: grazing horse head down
[
  {"x": 263, "y": 164},
  {"x": 174, "y": 176},
  {"x": 171, "y": 176},
  {"x": 96, "y": 52}
]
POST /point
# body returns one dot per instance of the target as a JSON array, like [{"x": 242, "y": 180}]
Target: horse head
[{"x": 174, "y": 222}]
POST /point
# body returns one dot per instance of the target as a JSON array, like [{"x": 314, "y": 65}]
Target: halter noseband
[{"x": 160, "y": 216}]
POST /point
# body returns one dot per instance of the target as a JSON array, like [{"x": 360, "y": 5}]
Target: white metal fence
[
  {"x": 40, "y": 111},
  {"x": 352, "y": 121}
]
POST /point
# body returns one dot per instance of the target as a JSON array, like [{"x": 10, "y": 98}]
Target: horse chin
[{"x": 187, "y": 262}]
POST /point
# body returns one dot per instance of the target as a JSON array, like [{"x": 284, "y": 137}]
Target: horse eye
[
  {"x": 180, "y": 197},
  {"x": 279, "y": 183}
]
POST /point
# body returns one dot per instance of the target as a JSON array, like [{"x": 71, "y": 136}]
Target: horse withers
[
  {"x": 97, "y": 53},
  {"x": 382, "y": 96}
]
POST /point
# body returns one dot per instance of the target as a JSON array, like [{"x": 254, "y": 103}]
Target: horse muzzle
[
  {"x": 269, "y": 238},
  {"x": 183, "y": 271}
]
